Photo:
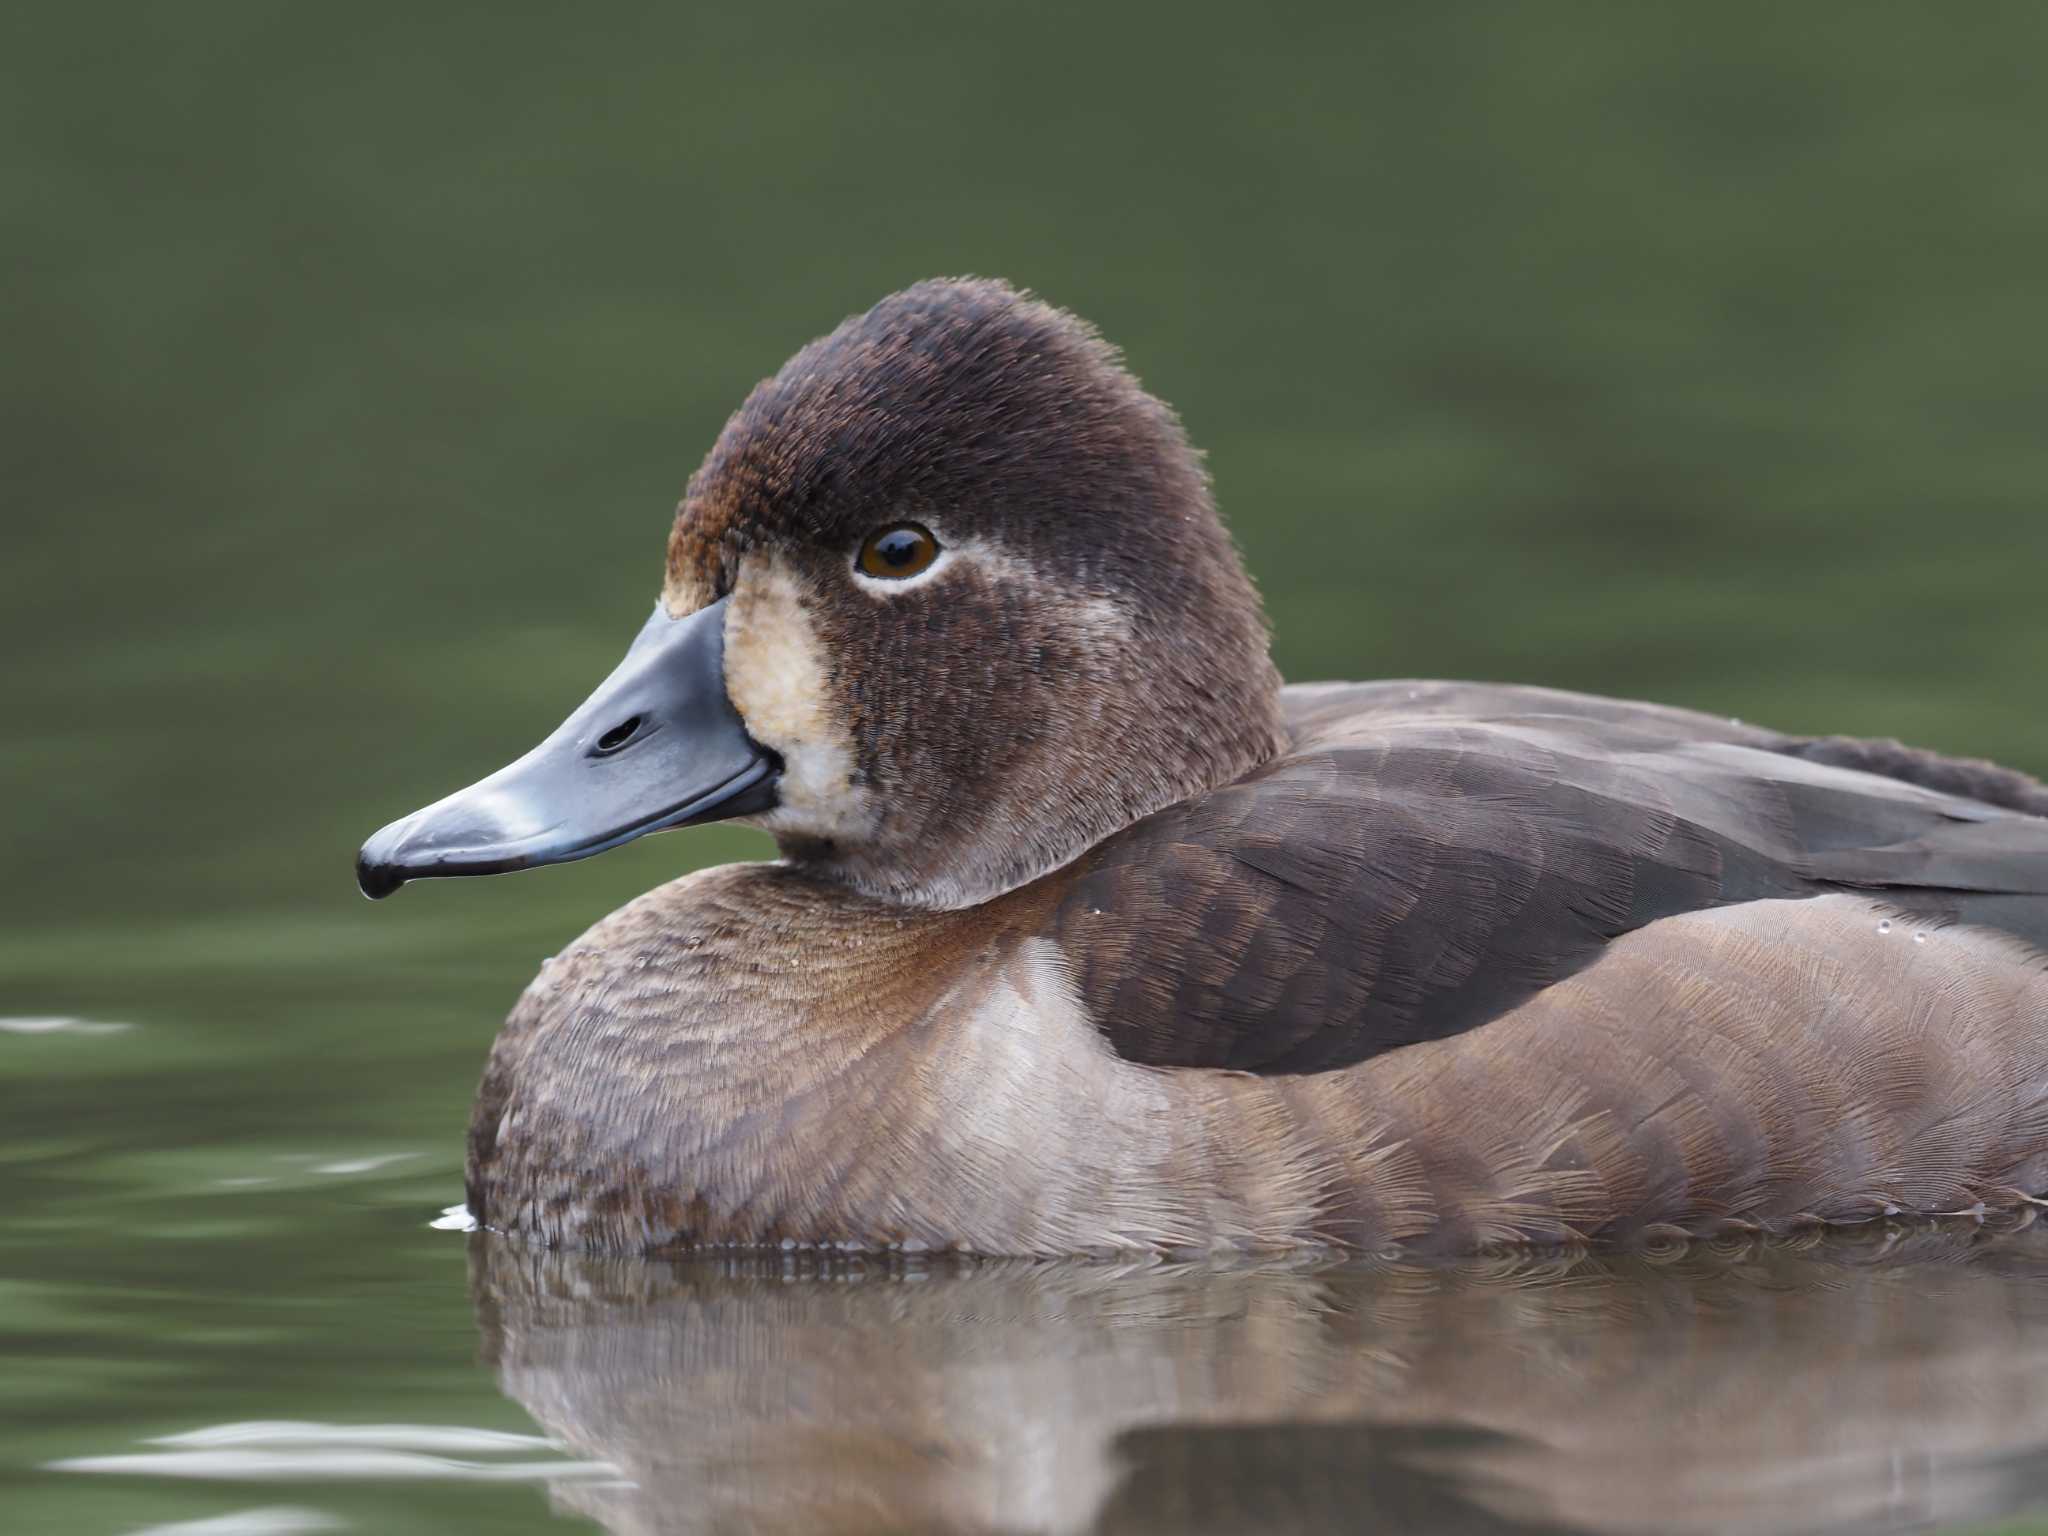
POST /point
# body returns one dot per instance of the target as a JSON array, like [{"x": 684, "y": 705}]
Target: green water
[{"x": 353, "y": 360}]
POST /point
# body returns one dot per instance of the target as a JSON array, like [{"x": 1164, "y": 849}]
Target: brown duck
[{"x": 1089, "y": 935}]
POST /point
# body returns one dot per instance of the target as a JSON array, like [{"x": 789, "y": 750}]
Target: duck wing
[{"x": 1428, "y": 857}]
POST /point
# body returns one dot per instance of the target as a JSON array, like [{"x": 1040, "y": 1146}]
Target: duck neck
[{"x": 1180, "y": 713}]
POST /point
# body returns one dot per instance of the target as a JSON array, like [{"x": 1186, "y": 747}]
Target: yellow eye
[{"x": 900, "y": 550}]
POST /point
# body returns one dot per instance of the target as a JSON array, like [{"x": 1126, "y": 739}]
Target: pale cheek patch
[{"x": 775, "y": 676}]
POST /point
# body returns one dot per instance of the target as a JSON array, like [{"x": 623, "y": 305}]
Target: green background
[{"x": 355, "y": 358}]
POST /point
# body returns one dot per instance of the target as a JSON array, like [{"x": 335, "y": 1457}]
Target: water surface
[{"x": 240, "y": 1360}]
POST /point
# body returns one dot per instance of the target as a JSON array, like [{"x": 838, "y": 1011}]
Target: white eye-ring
[{"x": 898, "y": 556}]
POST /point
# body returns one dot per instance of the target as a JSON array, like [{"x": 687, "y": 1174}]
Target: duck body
[
  {"x": 1464, "y": 965},
  {"x": 1088, "y": 935}
]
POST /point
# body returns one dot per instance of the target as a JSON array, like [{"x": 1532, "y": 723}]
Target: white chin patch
[{"x": 775, "y": 676}]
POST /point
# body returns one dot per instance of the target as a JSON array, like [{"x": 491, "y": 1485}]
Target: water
[
  {"x": 352, "y": 366},
  {"x": 373, "y": 1374}
]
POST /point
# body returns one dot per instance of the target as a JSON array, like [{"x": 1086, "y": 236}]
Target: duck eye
[{"x": 903, "y": 549}]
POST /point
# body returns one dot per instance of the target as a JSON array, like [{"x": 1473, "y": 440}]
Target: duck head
[{"x": 947, "y": 604}]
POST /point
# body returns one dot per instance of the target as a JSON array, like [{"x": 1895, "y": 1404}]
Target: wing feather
[{"x": 1429, "y": 856}]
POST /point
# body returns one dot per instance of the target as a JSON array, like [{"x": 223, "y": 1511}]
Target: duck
[{"x": 1089, "y": 935}]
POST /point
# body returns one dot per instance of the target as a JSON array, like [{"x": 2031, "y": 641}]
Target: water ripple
[
  {"x": 56, "y": 1024},
  {"x": 291, "y": 1451},
  {"x": 271, "y": 1520}
]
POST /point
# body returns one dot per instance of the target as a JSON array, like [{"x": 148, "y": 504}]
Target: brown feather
[
  {"x": 739, "y": 1058},
  {"x": 1425, "y": 857}
]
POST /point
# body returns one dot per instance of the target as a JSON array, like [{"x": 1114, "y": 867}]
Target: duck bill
[{"x": 658, "y": 745}]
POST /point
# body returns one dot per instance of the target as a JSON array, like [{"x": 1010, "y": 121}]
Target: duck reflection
[{"x": 1887, "y": 1381}]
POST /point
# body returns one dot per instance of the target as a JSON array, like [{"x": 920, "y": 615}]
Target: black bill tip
[
  {"x": 377, "y": 880},
  {"x": 377, "y": 877}
]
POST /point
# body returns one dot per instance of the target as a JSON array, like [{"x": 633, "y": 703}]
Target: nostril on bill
[{"x": 619, "y": 735}]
